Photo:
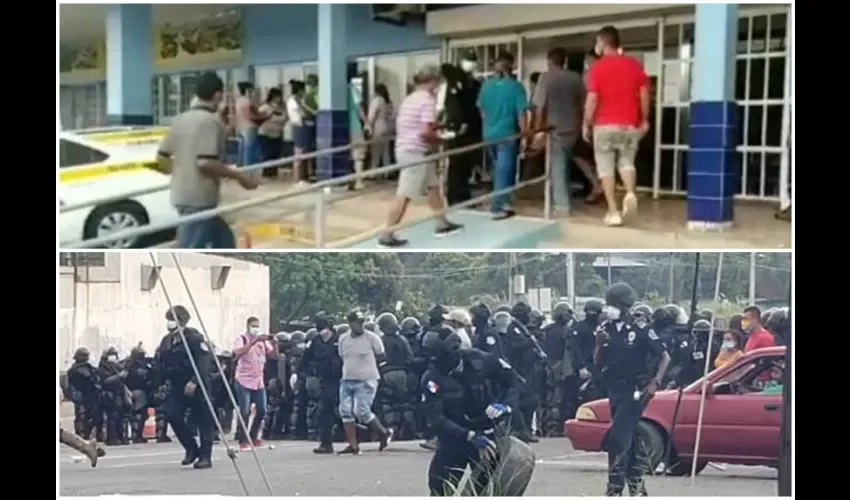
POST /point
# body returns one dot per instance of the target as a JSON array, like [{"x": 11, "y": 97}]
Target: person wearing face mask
[
  {"x": 464, "y": 392},
  {"x": 416, "y": 138},
  {"x": 731, "y": 350},
  {"x": 462, "y": 323},
  {"x": 250, "y": 351},
  {"x": 115, "y": 401},
  {"x": 362, "y": 353},
  {"x": 623, "y": 346},
  {"x": 459, "y": 100},
  {"x": 758, "y": 336},
  {"x": 526, "y": 356},
  {"x": 486, "y": 337},
  {"x": 565, "y": 366},
  {"x": 503, "y": 103},
  {"x": 189, "y": 389},
  {"x": 298, "y": 421},
  {"x": 396, "y": 409},
  {"x": 322, "y": 363}
]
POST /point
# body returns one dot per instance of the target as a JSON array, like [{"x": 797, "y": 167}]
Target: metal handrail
[
  {"x": 280, "y": 162},
  {"x": 321, "y": 188}
]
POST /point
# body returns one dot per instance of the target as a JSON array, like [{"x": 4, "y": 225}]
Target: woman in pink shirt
[{"x": 250, "y": 351}]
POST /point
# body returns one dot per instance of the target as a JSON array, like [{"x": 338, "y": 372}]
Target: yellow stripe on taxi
[
  {"x": 98, "y": 171},
  {"x": 133, "y": 137}
]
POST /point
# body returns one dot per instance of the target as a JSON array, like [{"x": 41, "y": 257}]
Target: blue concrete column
[
  {"x": 713, "y": 166},
  {"x": 129, "y": 64},
  {"x": 332, "y": 128}
]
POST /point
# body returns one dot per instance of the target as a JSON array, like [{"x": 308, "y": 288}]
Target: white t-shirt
[{"x": 293, "y": 111}]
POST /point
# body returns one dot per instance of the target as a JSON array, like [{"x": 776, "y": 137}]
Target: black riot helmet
[
  {"x": 680, "y": 317},
  {"x": 322, "y": 321},
  {"x": 562, "y": 313},
  {"x": 706, "y": 314},
  {"x": 179, "y": 314},
  {"x": 371, "y": 326},
  {"x": 437, "y": 314},
  {"x": 661, "y": 318},
  {"x": 137, "y": 352},
  {"x": 443, "y": 346},
  {"x": 502, "y": 321},
  {"x": 701, "y": 329},
  {"x": 82, "y": 355},
  {"x": 766, "y": 315},
  {"x": 503, "y": 308},
  {"x": 387, "y": 323},
  {"x": 593, "y": 309},
  {"x": 521, "y": 311},
  {"x": 410, "y": 326},
  {"x": 777, "y": 321},
  {"x": 298, "y": 337},
  {"x": 283, "y": 337},
  {"x": 536, "y": 319},
  {"x": 480, "y": 313},
  {"x": 642, "y": 311},
  {"x": 620, "y": 296}
]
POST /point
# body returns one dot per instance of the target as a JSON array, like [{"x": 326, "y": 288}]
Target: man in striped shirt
[
  {"x": 416, "y": 138},
  {"x": 250, "y": 351}
]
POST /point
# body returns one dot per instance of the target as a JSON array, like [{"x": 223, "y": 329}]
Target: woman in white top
[
  {"x": 301, "y": 135},
  {"x": 270, "y": 133},
  {"x": 380, "y": 124}
]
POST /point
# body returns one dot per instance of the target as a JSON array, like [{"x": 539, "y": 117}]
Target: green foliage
[{"x": 305, "y": 283}]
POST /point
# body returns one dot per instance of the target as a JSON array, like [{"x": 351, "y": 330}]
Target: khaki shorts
[
  {"x": 614, "y": 149},
  {"x": 414, "y": 181}
]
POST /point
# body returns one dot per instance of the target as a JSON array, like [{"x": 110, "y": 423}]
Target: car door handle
[{"x": 771, "y": 407}]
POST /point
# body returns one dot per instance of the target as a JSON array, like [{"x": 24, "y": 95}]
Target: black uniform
[
  {"x": 625, "y": 367},
  {"x": 84, "y": 387},
  {"x": 527, "y": 357},
  {"x": 114, "y": 397},
  {"x": 455, "y": 404},
  {"x": 564, "y": 361},
  {"x": 395, "y": 406},
  {"x": 321, "y": 360},
  {"x": 173, "y": 360},
  {"x": 298, "y": 420},
  {"x": 140, "y": 382}
]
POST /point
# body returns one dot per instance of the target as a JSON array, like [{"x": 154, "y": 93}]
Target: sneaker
[
  {"x": 392, "y": 242},
  {"x": 504, "y": 214},
  {"x": 630, "y": 204},
  {"x": 448, "y": 229},
  {"x": 350, "y": 450},
  {"x": 245, "y": 446},
  {"x": 612, "y": 219},
  {"x": 258, "y": 443}
]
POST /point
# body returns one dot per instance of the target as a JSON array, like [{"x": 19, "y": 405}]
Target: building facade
[{"x": 117, "y": 299}]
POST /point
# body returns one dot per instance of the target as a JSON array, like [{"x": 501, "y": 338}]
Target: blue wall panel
[{"x": 276, "y": 34}]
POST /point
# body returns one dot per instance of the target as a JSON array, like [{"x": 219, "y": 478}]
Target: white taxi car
[{"x": 108, "y": 167}]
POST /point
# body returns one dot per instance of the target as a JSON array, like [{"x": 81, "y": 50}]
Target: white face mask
[
  {"x": 468, "y": 66},
  {"x": 170, "y": 325},
  {"x": 728, "y": 345},
  {"x": 112, "y": 358},
  {"x": 254, "y": 331},
  {"x": 612, "y": 312}
]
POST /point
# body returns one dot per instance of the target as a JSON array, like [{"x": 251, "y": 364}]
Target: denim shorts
[{"x": 355, "y": 400}]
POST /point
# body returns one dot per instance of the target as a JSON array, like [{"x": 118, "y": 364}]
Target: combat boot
[
  {"x": 203, "y": 463},
  {"x": 429, "y": 445},
  {"x": 324, "y": 449}
]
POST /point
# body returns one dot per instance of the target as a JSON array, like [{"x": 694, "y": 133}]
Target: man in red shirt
[
  {"x": 759, "y": 336},
  {"x": 616, "y": 117}
]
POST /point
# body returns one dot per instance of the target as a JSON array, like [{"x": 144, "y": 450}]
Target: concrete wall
[{"x": 108, "y": 307}]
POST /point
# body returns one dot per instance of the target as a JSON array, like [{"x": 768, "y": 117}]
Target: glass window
[
  {"x": 72, "y": 154},
  {"x": 82, "y": 259}
]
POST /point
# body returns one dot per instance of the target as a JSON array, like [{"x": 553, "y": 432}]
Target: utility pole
[
  {"x": 717, "y": 278},
  {"x": 571, "y": 279},
  {"x": 785, "y": 478},
  {"x": 752, "y": 297},
  {"x": 608, "y": 256},
  {"x": 670, "y": 280},
  {"x": 511, "y": 271}
]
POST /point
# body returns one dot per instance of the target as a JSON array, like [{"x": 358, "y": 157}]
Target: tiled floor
[{"x": 661, "y": 224}]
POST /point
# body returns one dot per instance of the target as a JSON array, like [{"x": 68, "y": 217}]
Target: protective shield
[{"x": 511, "y": 473}]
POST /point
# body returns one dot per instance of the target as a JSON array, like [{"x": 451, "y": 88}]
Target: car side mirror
[{"x": 722, "y": 388}]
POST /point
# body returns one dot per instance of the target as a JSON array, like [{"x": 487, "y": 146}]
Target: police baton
[{"x": 669, "y": 448}]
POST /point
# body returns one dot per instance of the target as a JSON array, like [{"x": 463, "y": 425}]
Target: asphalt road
[{"x": 293, "y": 470}]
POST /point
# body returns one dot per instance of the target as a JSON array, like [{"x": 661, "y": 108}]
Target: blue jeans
[
  {"x": 246, "y": 397},
  {"x": 560, "y": 157},
  {"x": 250, "y": 151},
  {"x": 355, "y": 400},
  {"x": 503, "y": 156},
  {"x": 208, "y": 233}
]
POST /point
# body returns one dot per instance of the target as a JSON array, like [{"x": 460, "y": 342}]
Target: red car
[{"x": 741, "y": 420}]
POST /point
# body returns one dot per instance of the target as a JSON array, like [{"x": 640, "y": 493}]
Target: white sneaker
[
  {"x": 630, "y": 204},
  {"x": 612, "y": 219}
]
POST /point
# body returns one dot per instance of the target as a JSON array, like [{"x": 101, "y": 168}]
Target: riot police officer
[
  {"x": 393, "y": 394},
  {"x": 114, "y": 396},
  {"x": 141, "y": 385},
  {"x": 564, "y": 367},
  {"x": 527, "y": 358},
  {"x": 84, "y": 386},
  {"x": 321, "y": 360},
  {"x": 464, "y": 391},
  {"x": 189, "y": 389},
  {"x": 298, "y": 422},
  {"x": 624, "y": 345}
]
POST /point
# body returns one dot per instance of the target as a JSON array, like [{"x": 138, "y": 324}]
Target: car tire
[
  {"x": 129, "y": 208},
  {"x": 648, "y": 434},
  {"x": 682, "y": 468}
]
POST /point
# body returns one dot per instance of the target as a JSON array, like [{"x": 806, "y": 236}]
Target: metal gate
[{"x": 761, "y": 91}]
